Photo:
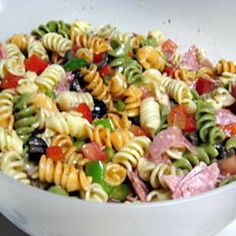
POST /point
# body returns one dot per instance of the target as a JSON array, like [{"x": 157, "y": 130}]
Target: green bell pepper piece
[
  {"x": 110, "y": 153},
  {"x": 120, "y": 105},
  {"x": 96, "y": 170},
  {"x": 58, "y": 190},
  {"x": 75, "y": 64},
  {"x": 106, "y": 123},
  {"x": 120, "y": 192}
]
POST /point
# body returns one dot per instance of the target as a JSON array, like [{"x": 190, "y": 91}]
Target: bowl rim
[{"x": 109, "y": 205}]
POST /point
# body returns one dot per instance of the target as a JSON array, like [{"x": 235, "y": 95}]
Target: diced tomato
[
  {"x": 169, "y": 46},
  {"x": 105, "y": 71},
  {"x": 146, "y": 93},
  {"x": 170, "y": 69},
  {"x": 138, "y": 131},
  {"x": 130, "y": 53},
  {"x": 97, "y": 58},
  {"x": 55, "y": 153},
  {"x": 180, "y": 117},
  {"x": 93, "y": 152},
  {"x": 10, "y": 81},
  {"x": 2, "y": 54},
  {"x": 229, "y": 130},
  {"x": 204, "y": 86},
  {"x": 36, "y": 64},
  {"x": 75, "y": 48},
  {"x": 84, "y": 109},
  {"x": 234, "y": 90}
]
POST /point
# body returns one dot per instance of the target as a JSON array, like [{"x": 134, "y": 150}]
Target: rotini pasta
[
  {"x": 150, "y": 115},
  {"x": 35, "y": 47},
  {"x": 132, "y": 151},
  {"x": 11, "y": 163},
  {"x": 56, "y": 43}
]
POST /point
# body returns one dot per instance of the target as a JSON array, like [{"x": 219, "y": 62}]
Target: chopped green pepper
[
  {"x": 75, "y": 64},
  {"x": 120, "y": 192},
  {"x": 106, "y": 79},
  {"x": 50, "y": 93},
  {"x": 58, "y": 190},
  {"x": 120, "y": 105},
  {"x": 106, "y": 123},
  {"x": 110, "y": 153},
  {"x": 95, "y": 169},
  {"x": 107, "y": 187},
  {"x": 79, "y": 143},
  {"x": 149, "y": 42}
]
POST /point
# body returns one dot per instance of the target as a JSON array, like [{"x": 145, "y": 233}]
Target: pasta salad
[{"x": 107, "y": 116}]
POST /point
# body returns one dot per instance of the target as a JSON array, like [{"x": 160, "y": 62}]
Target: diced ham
[
  {"x": 191, "y": 61},
  {"x": 139, "y": 186},
  {"x": 202, "y": 178},
  {"x": 170, "y": 137},
  {"x": 2, "y": 53},
  {"x": 225, "y": 117},
  {"x": 65, "y": 83}
]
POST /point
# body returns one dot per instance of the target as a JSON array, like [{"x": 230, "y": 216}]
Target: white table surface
[{"x": 6, "y": 228}]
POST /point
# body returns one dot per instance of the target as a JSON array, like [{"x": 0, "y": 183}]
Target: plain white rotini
[
  {"x": 49, "y": 79},
  {"x": 68, "y": 99},
  {"x": 56, "y": 43},
  {"x": 227, "y": 78},
  {"x": 27, "y": 84},
  {"x": 153, "y": 82},
  {"x": 9, "y": 141},
  {"x": 3, "y": 68},
  {"x": 105, "y": 31},
  {"x": 131, "y": 152},
  {"x": 179, "y": 91},
  {"x": 175, "y": 153},
  {"x": 220, "y": 98},
  {"x": 150, "y": 115},
  {"x": 158, "y": 195},
  {"x": 153, "y": 173},
  {"x": 11, "y": 164},
  {"x": 95, "y": 193},
  {"x": 6, "y": 108},
  {"x": 78, "y": 27},
  {"x": 70, "y": 123},
  {"x": 35, "y": 47},
  {"x": 14, "y": 60}
]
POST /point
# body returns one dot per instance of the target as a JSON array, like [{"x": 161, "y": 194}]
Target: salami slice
[
  {"x": 201, "y": 179},
  {"x": 171, "y": 137},
  {"x": 139, "y": 186}
]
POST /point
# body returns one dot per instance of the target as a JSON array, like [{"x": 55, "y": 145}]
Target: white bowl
[{"x": 205, "y": 23}]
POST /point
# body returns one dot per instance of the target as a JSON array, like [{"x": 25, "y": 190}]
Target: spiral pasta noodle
[
  {"x": 185, "y": 75},
  {"x": 78, "y": 27},
  {"x": 132, "y": 100},
  {"x": 69, "y": 99},
  {"x": 220, "y": 98},
  {"x": 50, "y": 77},
  {"x": 85, "y": 53},
  {"x": 59, "y": 27},
  {"x": 120, "y": 122},
  {"x": 150, "y": 57},
  {"x": 152, "y": 173},
  {"x": 158, "y": 195},
  {"x": 35, "y": 47},
  {"x": 95, "y": 193},
  {"x": 132, "y": 151},
  {"x": 225, "y": 66},
  {"x": 14, "y": 60},
  {"x": 205, "y": 122},
  {"x": 115, "y": 174},
  {"x": 150, "y": 115},
  {"x": 6, "y": 108},
  {"x": 25, "y": 118},
  {"x": 56, "y": 43},
  {"x": 28, "y": 84},
  {"x": 104, "y": 136},
  {"x": 68, "y": 123},
  {"x": 21, "y": 40},
  {"x": 105, "y": 31},
  {"x": 205, "y": 153},
  {"x": 11, "y": 164},
  {"x": 117, "y": 85},
  {"x": 95, "y": 84},
  {"x": 9, "y": 141},
  {"x": 58, "y": 173},
  {"x": 205, "y": 73},
  {"x": 97, "y": 44}
]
